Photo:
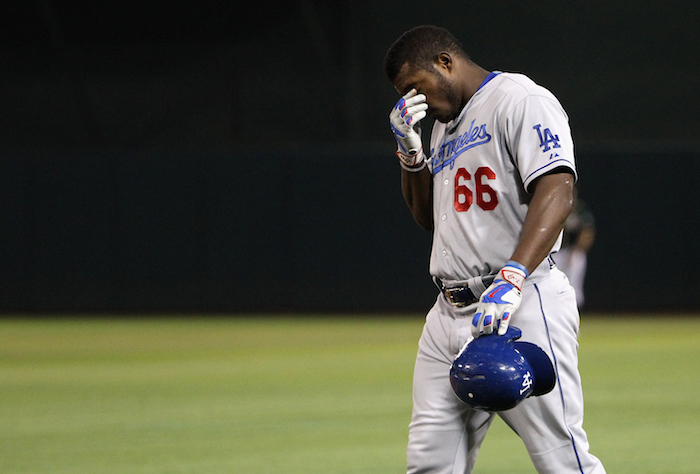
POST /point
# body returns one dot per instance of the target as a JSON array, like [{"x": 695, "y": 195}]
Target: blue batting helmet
[{"x": 495, "y": 373}]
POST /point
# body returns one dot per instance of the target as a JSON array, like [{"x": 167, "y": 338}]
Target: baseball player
[{"x": 495, "y": 188}]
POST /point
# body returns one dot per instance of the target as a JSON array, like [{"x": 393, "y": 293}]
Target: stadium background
[{"x": 235, "y": 157}]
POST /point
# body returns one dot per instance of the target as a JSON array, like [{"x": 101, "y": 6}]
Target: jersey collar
[{"x": 488, "y": 78}]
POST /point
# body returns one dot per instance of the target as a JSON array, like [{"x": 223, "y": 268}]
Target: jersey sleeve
[{"x": 539, "y": 138}]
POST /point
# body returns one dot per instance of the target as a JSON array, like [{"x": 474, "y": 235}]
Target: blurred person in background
[{"x": 579, "y": 235}]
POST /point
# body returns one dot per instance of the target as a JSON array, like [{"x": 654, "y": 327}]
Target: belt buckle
[{"x": 450, "y": 295}]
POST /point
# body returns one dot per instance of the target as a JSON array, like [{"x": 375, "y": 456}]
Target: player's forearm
[
  {"x": 417, "y": 192},
  {"x": 551, "y": 204}
]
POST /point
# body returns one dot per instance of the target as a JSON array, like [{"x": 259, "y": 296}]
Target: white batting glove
[
  {"x": 500, "y": 300},
  {"x": 404, "y": 118}
]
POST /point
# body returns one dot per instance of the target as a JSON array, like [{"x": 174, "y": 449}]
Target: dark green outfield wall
[{"x": 318, "y": 231}]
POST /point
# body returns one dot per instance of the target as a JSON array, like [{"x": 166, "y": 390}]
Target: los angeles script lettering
[{"x": 449, "y": 151}]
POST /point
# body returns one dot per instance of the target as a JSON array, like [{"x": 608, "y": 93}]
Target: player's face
[{"x": 441, "y": 93}]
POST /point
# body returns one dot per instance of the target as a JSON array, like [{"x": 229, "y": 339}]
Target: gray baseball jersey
[{"x": 510, "y": 133}]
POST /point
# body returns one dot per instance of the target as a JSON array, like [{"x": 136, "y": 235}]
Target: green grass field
[{"x": 305, "y": 395}]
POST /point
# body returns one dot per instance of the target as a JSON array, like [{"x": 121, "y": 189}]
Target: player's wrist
[
  {"x": 412, "y": 161},
  {"x": 414, "y": 169},
  {"x": 519, "y": 266},
  {"x": 514, "y": 273}
]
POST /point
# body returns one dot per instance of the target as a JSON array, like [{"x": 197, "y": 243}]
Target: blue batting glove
[{"x": 500, "y": 300}]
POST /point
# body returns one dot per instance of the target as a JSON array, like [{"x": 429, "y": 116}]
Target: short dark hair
[{"x": 420, "y": 48}]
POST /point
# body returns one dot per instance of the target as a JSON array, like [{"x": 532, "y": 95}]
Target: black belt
[{"x": 464, "y": 294}]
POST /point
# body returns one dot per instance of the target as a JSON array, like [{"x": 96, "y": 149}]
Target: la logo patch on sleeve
[{"x": 548, "y": 140}]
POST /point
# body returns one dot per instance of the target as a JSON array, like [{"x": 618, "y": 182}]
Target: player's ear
[{"x": 444, "y": 60}]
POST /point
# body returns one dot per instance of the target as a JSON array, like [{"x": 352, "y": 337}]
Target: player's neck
[{"x": 473, "y": 76}]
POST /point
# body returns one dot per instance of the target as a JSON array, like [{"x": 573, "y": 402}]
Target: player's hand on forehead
[
  {"x": 404, "y": 119},
  {"x": 412, "y": 106}
]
